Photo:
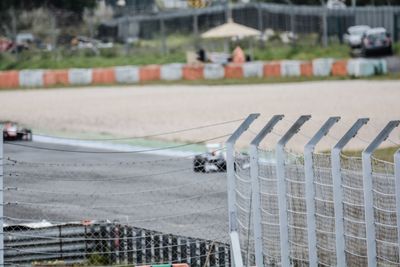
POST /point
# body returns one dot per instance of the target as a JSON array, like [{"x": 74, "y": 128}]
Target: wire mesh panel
[
  {"x": 324, "y": 209},
  {"x": 96, "y": 208},
  {"x": 353, "y": 211},
  {"x": 269, "y": 207},
  {"x": 384, "y": 199},
  {"x": 243, "y": 207},
  {"x": 296, "y": 205}
]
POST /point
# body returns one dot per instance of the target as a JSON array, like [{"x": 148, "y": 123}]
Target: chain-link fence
[
  {"x": 311, "y": 208},
  {"x": 124, "y": 207}
]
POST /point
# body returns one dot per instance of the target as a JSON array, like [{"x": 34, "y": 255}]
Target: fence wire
[
  {"x": 353, "y": 211},
  {"x": 324, "y": 209},
  {"x": 269, "y": 207},
  {"x": 243, "y": 194},
  {"x": 384, "y": 199},
  {"x": 296, "y": 208},
  {"x": 124, "y": 209}
]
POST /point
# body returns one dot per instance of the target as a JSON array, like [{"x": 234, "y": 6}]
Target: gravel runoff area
[{"x": 141, "y": 110}]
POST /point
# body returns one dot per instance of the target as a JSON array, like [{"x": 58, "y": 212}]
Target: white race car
[{"x": 214, "y": 160}]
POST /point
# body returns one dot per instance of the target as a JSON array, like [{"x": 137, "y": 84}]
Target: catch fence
[
  {"x": 313, "y": 208},
  {"x": 111, "y": 204}
]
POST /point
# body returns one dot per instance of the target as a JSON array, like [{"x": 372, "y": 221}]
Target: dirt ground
[{"x": 142, "y": 110}]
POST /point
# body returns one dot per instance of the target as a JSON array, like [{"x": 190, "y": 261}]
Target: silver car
[{"x": 354, "y": 35}]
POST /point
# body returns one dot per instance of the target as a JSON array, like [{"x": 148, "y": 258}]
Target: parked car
[
  {"x": 13, "y": 132},
  {"x": 354, "y": 35},
  {"x": 376, "y": 41}
]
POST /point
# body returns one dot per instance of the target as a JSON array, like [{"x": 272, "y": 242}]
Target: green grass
[{"x": 149, "y": 52}]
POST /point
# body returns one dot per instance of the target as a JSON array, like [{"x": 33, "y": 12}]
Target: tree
[{"x": 76, "y": 6}]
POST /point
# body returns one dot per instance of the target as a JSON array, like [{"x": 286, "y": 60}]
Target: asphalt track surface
[{"x": 150, "y": 191}]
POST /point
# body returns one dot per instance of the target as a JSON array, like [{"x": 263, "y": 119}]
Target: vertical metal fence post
[
  {"x": 310, "y": 190},
  {"x": 230, "y": 172},
  {"x": 337, "y": 189},
  {"x": 280, "y": 175},
  {"x": 397, "y": 184},
  {"x": 368, "y": 187},
  {"x": 1, "y": 198},
  {"x": 255, "y": 188}
]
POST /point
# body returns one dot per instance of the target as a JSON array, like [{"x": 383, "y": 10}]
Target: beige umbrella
[{"x": 230, "y": 30}]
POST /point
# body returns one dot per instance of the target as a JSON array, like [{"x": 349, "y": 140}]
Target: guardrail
[{"x": 107, "y": 243}]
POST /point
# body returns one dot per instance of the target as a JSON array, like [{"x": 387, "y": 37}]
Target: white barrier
[
  {"x": 172, "y": 72},
  {"x": 322, "y": 66},
  {"x": 127, "y": 74},
  {"x": 360, "y": 67},
  {"x": 290, "y": 68},
  {"x": 31, "y": 78},
  {"x": 80, "y": 76},
  {"x": 253, "y": 69},
  {"x": 380, "y": 66},
  {"x": 214, "y": 71}
]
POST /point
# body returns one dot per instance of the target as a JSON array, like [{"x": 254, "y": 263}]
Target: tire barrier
[
  {"x": 171, "y": 72},
  {"x": 290, "y": 68},
  {"x": 253, "y": 69},
  {"x": 127, "y": 74},
  {"x": 233, "y": 71},
  {"x": 339, "y": 68},
  {"x": 272, "y": 69},
  {"x": 9, "y": 79},
  {"x": 193, "y": 72},
  {"x": 55, "y": 77},
  {"x": 306, "y": 69},
  {"x": 31, "y": 78},
  {"x": 103, "y": 76},
  {"x": 214, "y": 72},
  {"x": 321, "y": 67},
  {"x": 149, "y": 73},
  {"x": 80, "y": 76}
]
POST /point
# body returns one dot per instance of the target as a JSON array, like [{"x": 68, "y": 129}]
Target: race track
[{"x": 149, "y": 191}]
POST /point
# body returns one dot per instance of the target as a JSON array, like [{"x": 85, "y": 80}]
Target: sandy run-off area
[{"x": 142, "y": 110}]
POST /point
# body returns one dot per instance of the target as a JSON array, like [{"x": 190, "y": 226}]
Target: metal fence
[
  {"x": 313, "y": 208},
  {"x": 331, "y": 23},
  {"x": 112, "y": 203}
]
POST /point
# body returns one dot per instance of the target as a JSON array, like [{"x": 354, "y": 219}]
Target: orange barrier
[
  {"x": 103, "y": 76},
  {"x": 272, "y": 69},
  {"x": 306, "y": 69},
  {"x": 234, "y": 71},
  {"x": 339, "y": 68},
  {"x": 180, "y": 265},
  {"x": 150, "y": 73},
  {"x": 9, "y": 79},
  {"x": 193, "y": 72},
  {"x": 55, "y": 77}
]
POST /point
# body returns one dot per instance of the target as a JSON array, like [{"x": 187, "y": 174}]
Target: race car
[
  {"x": 13, "y": 132},
  {"x": 214, "y": 160}
]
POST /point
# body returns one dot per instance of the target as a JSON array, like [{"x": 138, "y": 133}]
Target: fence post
[
  {"x": 230, "y": 172},
  {"x": 337, "y": 189},
  {"x": 397, "y": 184},
  {"x": 280, "y": 175},
  {"x": 255, "y": 187},
  {"x": 1, "y": 197},
  {"x": 368, "y": 187},
  {"x": 310, "y": 190}
]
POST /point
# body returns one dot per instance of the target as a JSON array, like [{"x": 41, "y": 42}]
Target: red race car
[{"x": 13, "y": 132}]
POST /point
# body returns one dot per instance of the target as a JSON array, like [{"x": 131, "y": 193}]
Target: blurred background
[{"x": 100, "y": 33}]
